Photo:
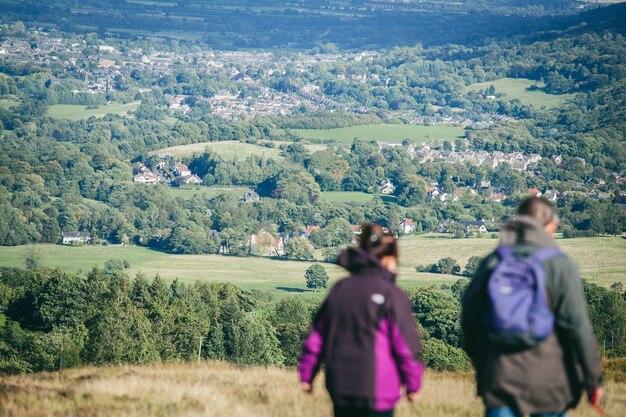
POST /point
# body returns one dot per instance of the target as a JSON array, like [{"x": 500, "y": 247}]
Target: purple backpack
[{"x": 518, "y": 314}]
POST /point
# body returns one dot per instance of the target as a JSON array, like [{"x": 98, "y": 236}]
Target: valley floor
[{"x": 219, "y": 389}]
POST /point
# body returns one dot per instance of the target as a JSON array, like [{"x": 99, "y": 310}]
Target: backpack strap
[{"x": 546, "y": 253}]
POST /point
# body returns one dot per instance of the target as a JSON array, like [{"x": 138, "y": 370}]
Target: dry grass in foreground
[{"x": 219, "y": 389}]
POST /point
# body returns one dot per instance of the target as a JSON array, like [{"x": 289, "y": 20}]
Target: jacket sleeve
[
  {"x": 311, "y": 358},
  {"x": 572, "y": 321},
  {"x": 406, "y": 344}
]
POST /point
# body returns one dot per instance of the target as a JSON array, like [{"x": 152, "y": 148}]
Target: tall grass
[{"x": 219, "y": 389}]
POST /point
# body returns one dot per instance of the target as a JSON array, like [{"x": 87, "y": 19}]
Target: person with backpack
[
  {"x": 525, "y": 323},
  {"x": 365, "y": 333}
]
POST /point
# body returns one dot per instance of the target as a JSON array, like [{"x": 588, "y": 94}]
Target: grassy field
[
  {"x": 226, "y": 149},
  {"x": 187, "y": 192},
  {"x": 518, "y": 88},
  {"x": 152, "y": 3},
  {"x": 309, "y": 147},
  {"x": 7, "y": 103},
  {"x": 231, "y": 149},
  {"x": 601, "y": 260},
  {"x": 77, "y": 112},
  {"x": 353, "y": 196},
  {"x": 395, "y": 133},
  {"x": 219, "y": 389}
]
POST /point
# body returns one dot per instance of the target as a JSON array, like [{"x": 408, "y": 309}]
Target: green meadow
[
  {"x": 7, "y": 103},
  {"x": 187, "y": 192},
  {"x": 517, "y": 88},
  {"x": 601, "y": 260},
  {"x": 231, "y": 149},
  {"x": 394, "y": 133},
  {"x": 77, "y": 112},
  {"x": 354, "y": 196}
]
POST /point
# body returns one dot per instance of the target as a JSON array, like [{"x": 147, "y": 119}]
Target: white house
[
  {"x": 69, "y": 238},
  {"x": 181, "y": 170},
  {"x": 106, "y": 48},
  {"x": 407, "y": 226},
  {"x": 472, "y": 227},
  {"x": 192, "y": 179},
  {"x": 146, "y": 178},
  {"x": 386, "y": 187}
]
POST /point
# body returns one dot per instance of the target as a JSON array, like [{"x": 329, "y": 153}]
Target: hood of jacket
[
  {"x": 357, "y": 261},
  {"x": 524, "y": 230}
]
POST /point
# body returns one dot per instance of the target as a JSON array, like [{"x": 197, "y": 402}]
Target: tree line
[{"x": 56, "y": 320}]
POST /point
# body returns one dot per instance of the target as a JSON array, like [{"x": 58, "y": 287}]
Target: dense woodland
[
  {"x": 58, "y": 320},
  {"x": 62, "y": 175}
]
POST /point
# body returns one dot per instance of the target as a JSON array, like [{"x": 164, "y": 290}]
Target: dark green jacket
[{"x": 551, "y": 376}]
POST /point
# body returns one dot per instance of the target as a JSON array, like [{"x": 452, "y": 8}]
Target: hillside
[
  {"x": 218, "y": 389},
  {"x": 601, "y": 261}
]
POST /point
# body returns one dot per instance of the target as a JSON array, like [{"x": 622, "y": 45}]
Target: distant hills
[{"x": 362, "y": 24}]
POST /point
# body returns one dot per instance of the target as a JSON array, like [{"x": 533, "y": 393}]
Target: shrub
[{"x": 440, "y": 356}]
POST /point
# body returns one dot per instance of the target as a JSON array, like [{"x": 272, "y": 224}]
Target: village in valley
[{"x": 247, "y": 86}]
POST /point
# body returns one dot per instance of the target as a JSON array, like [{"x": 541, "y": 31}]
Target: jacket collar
[{"x": 358, "y": 261}]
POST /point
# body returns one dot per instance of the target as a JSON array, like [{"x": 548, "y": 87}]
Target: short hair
[
  {"x": 539, "y": 208},
  {"x": 375, "y": 240}
]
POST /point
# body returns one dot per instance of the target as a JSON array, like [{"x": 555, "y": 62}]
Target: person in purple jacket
[{"x": 365, "y": 333}]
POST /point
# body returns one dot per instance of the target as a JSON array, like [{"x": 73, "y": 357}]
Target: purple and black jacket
[{"x": 365, "y": 333}]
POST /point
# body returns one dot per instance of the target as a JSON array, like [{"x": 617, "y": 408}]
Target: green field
[
  {"x": 152, "y": 3},
  {"x": 7, "y": 103},
  {"x": 187, "y": 192},
  {"x": 518, "y": 88},
  {"x": 394, "y": 133},
  {"x": 601, "y": 260},
  {"x": 230, "y": 149},
  {"x": 354, "y": 196},
  {"x": 309, "y": 147},
  {"x": 77, "y": 112}
]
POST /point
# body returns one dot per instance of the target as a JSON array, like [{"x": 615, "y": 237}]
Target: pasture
[
  {"x": 601, "y": 260},
  {"x": 231, "y": 149},
  {"x": 354, "y": 196},
  {"x": 78, "y": 112},
  {"x": 517, "y": 88},
  {"x": 221, "y": 389},
  {"x": 394, "y": 133},
  {"x": 187, "y": 192},
  {"x": 7, "y": 103}
]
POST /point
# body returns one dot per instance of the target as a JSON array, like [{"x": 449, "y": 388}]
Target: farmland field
[
  {"x": 221, "y": 389},
  {"x": 230, "y": 149},
  {"x": 7, "y": 103},
  {"x": 601, "y": 260},
  {"x": 350, "y": 196},
  {"x": 518, "y": 88},
  {"x": 394, "y": 133},
  {"x": 77, "y": 112},
  {"x": 187, "y": 192}
]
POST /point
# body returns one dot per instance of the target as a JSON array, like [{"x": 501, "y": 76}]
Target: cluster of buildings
[
  {"x": 274, "y": 245},
  {"x": 144, "y": 175},
  {"x": 265, "y": 102},
  {"x": 181, "y": 174},
  {"x": 98, "y": 67},
  {"x": 518, "y": 160}
]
